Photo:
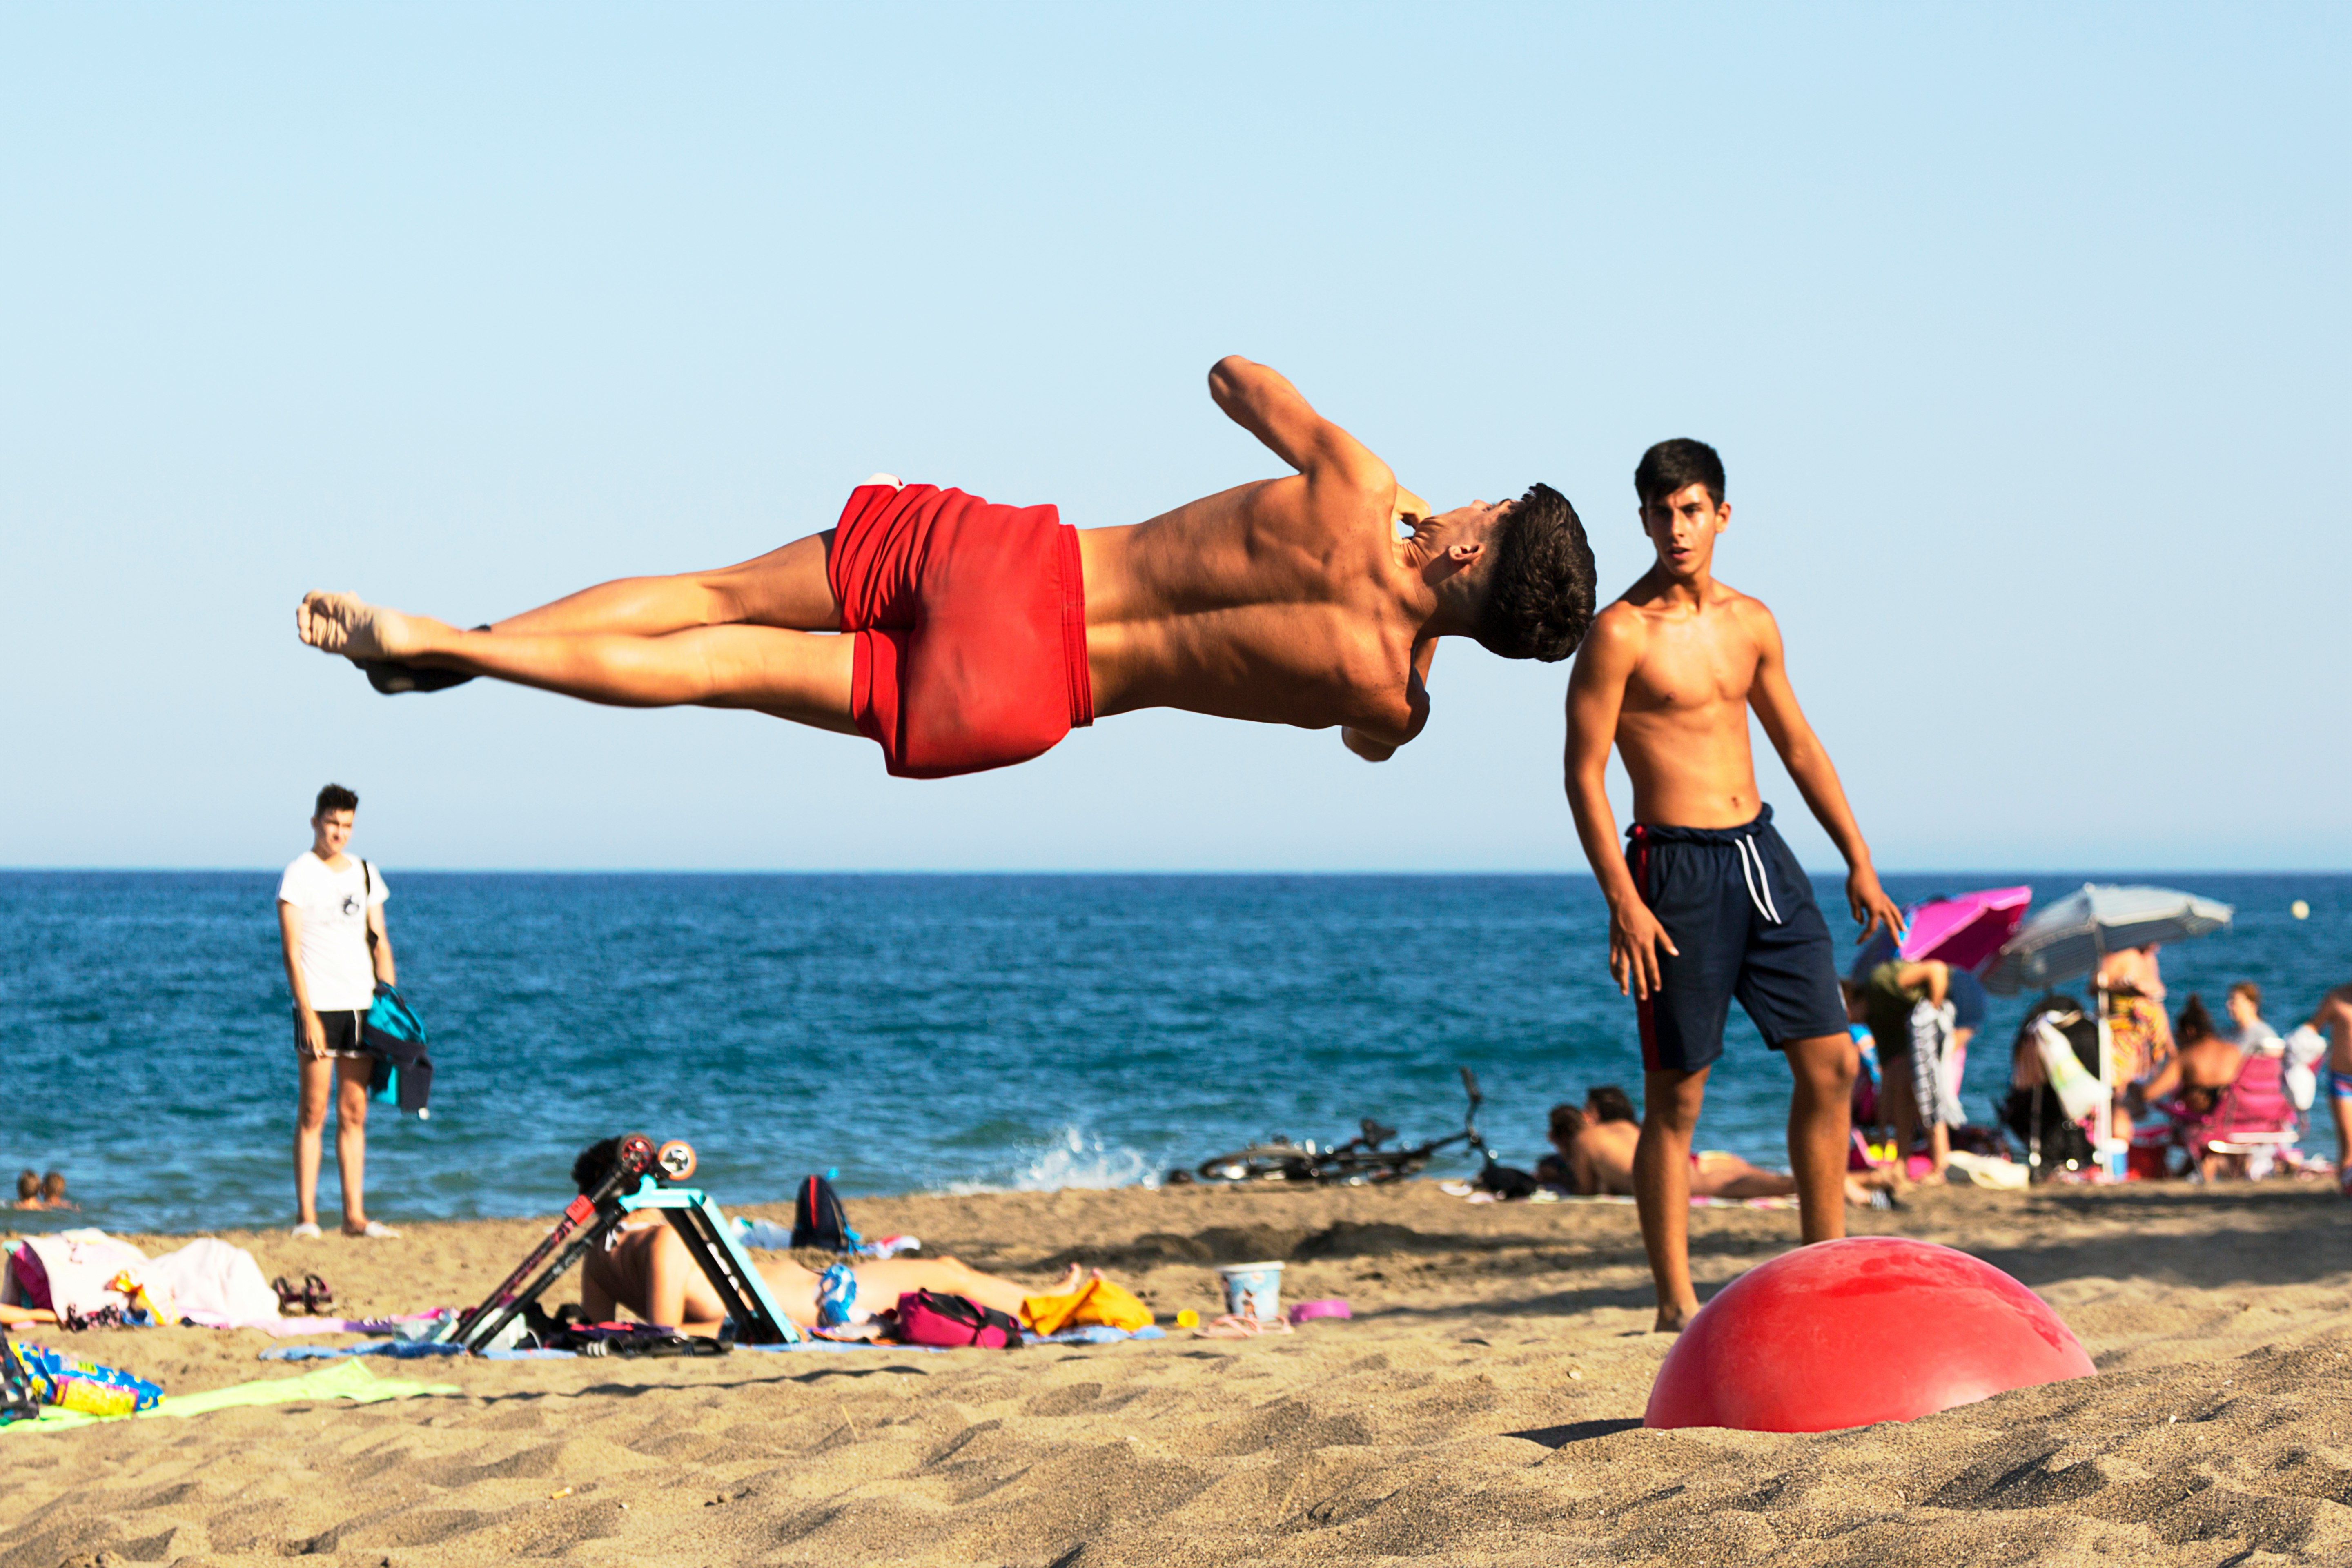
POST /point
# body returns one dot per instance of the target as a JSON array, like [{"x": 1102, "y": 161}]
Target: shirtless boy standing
[
  {"x": 962, "y": 635},
  {"x": 1706, "y": 903}
]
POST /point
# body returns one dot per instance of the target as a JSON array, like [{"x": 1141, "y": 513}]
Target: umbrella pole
[{"x": 2103, "y": 1122}]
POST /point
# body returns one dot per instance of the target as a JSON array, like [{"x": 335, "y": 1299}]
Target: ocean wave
[{"x": 1073, "y": 1159}]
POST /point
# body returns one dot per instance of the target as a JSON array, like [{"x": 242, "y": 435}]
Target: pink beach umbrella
[{"x": 1968, "y": 929}]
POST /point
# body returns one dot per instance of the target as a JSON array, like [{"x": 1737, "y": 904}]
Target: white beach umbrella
[{"x": 2068, "y": 938}]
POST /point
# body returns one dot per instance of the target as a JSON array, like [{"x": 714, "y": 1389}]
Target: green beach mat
[{"x": 344, "y": 1380}]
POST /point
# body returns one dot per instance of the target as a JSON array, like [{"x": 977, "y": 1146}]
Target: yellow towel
[{"x": 1096, "y": 1302}]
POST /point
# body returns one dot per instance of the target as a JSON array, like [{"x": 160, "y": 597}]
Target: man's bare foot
[
  {"x": 1674, "y": 1319},
  {"x": 344, "y": 623}
]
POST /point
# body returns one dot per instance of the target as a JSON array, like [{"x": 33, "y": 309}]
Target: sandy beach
[{"x": 1481, "y": 1407}]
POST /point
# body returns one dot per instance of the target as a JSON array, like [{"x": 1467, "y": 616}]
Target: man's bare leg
[
  {"x": 1670, "y": 1107},
  {"x": 800, "y": 675},
  {"x": 1819, "y": 1112},
  {"x": 786, "y": 587}
]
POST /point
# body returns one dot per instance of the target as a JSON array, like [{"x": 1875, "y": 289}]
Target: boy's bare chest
[{"x": 1691, "y": 665}]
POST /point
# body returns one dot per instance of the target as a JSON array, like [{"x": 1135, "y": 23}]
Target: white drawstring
[{"x": 1760, "y": 884}]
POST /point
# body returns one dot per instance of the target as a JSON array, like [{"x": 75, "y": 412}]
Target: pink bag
[{"x": 936, "y": 1317}]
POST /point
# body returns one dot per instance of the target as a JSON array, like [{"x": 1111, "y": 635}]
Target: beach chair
[
  {"x": 643, "y": 1177},
  {"x": 2252, "y": 1122}
]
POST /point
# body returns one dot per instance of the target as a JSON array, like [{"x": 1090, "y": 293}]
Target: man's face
[
  {"x": 1682, "y": 529},
  {"x": 330, "y": 832},
  {"x": 2242, "y": 1010}
]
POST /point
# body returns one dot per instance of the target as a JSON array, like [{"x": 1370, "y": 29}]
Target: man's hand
[
  {"x": 1364, "y": 746},
  {"x": 1409, "y": 508},
  {"x": 1871, "y": 906},
  {"x": 314, "y": 1035},
  {"x": 1634, "y": 938}
]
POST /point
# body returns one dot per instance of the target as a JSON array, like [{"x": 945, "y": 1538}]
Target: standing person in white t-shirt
[{"x": 330, "y": 923}]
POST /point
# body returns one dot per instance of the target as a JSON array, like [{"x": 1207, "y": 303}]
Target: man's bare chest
[{"x": 1687, "y": 670}]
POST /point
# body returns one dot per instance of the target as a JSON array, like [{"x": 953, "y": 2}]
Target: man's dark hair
[
  {"x": 27, "y": 1185},
  {"x": 1567, "y": 1122},
  {"x": 1539, "y": 589},
  {"x": 1612, "y": 1103},
  {"x": 2196, "y": 1024},
  {"x": 2250, "y": 991},
  {"x": 335, "y": 798},
  {"x": 595, "y": 1163},
  {"x": 1671, "y": 465}
]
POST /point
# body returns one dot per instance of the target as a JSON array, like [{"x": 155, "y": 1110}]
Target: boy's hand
[
  {"x": 1634, "y": 938},
  {"x": 314, "y": 1034},
  {"x": 1871, "y": 906}
]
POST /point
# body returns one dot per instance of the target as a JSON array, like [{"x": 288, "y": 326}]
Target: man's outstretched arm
[
  {"x": 1262, "y": 403},
  {"x": 1775, "y": 702},
  {"x": 1596, "y": 691}
]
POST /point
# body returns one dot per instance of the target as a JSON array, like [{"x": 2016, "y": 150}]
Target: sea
[{"x": 906, "y": 1033}]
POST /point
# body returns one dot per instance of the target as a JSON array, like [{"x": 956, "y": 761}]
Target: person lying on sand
[
  {"x": 960, "y": 635},
  {"x": 646, "y": 1268},
  {"x": 1598, "y": 1157}
]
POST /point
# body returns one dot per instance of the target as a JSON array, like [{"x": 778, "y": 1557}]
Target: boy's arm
[
  {"x": 1596, "y": 691},
  {"x": 1416, "y": 696},
  {"x": 289, "y": 939},
  {"x": 1775, "y": 702},
  {"x": 381, "y": 948}
]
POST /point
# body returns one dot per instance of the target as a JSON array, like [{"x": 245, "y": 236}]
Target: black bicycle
[{"x": 1361, "y": 1161}]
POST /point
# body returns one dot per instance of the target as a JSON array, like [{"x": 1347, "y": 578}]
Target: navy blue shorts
[{"x": 1740, "y": 908}]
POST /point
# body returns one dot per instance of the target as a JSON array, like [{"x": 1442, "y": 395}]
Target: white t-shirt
[{"x": 336, "y": 967}]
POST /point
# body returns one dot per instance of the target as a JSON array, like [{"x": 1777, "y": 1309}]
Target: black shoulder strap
[{"x": 367, "y": 923}]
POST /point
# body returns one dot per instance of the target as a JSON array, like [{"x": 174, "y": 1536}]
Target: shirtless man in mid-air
[
  {"x": 1706, "y": 903},
  {"x": 978, "y": 635}
]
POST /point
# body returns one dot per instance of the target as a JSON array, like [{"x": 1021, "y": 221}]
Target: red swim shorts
[{"x": 971, "y": 622}]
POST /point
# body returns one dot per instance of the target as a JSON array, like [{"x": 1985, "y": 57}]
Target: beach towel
[
  {"x": 70, "y": 1271},
  {"x": 347, "y": 1380}
]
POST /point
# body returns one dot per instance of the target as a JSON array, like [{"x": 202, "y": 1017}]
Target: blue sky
[{"x": 2023, "y": 332}]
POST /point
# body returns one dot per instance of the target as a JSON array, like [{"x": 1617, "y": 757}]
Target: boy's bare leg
[
  {"x": 318, "y": 1088},
  {"x": 352, "y": 1074},
  {"x": 800, "y": 675},
  {"x": 1820, "y": 1123},
  {"x": 1670, "y": 1107}
]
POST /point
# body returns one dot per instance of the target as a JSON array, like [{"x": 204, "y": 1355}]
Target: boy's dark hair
[
  {"x": 335, "y": 798},
  {"x": 2250, "y": 991},
  {"x": 595, "y": 1163},
  {"x": 1611, "y": 1104},
  {"x": 27, "y": 1185},
  {"x": 53, "y": 1185},
  {"x": 1567, "y": 1122},
  {"x": 2196, "y": 1024},
  {"x": 1671, "y": 465},
  {"x": 1539, "y": 589}
]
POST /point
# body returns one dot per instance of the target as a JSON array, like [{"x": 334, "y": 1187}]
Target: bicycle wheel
[{"x": 1259, "y": 1162}]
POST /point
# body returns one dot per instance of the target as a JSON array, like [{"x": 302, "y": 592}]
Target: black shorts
[
  {"x": 1740, "y": 908},
  {"x": 343, "y": 1030}
]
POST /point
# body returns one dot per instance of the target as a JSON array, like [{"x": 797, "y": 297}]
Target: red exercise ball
[{"x": 1845, "y": 1334}]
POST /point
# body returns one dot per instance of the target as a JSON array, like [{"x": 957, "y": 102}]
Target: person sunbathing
[
  {"x": 962, "y": 635},
  {"x": 2203, "y": 1064},
  {"x": 1597, "y": 1158},
  {"x": 646, "y": 1268}
]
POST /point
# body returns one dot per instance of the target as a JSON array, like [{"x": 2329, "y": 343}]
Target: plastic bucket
[{"x": 1253, "y": 1290}]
